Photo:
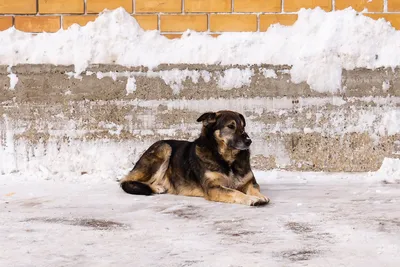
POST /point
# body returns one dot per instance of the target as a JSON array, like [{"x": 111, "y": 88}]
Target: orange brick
[
  {"x": 394, "y": 5},
  {"x": 5, "y": 23},
  {"x": 177, "y": 36},
  {"x": 283, "y": 19},
  {"x": 18, "y": 6},
  {"x": 38, "y": 24},
  {"x": 394, "y": 19},
  {"x": 180, "y": 23},
  {"x": 147, "y": 22},
  {"x": 80, "y": 20},
  {"x": 208, "y": 5},
  {"x": 257, "y": 6},
  {"x": 296, "y": 5},
  {"x": 233, "y": 23},
  {"x": 359, "y": 5},
  {"x": 143, "y": 6},
  {"x": 172, "y": 35},
  {"x": 96, "y": 6},
  {"x": 61, "y": 6}
]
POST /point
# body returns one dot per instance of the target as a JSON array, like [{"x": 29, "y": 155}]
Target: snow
[
  {"x": 389, "y": 171},
  {"x": 235, "y": 78},
  {"x": 318, "y": 46},
  {"x": 269, "y": 73},
  {"x": 385, "y": 86},
  {"x": 229, "y": 79},
  {"x": 7, "y": 158},
  {"x": 176, "y": 77},
  {"x": 13, "y": 78},
  {"x": 337, "y": 221},
  {"x": 391, "y": 122},
  {"x": 131, "y": 85},
  {"x": 113, "y": 128}
]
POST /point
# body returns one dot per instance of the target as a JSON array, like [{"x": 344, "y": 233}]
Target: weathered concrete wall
[{"x": 88, "y": 124}]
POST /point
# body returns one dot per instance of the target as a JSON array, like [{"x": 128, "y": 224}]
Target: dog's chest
[{"x": 234, "y": 181}]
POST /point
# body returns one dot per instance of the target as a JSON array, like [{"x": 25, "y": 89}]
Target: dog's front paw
[
  {"x": 159, "y": 189},
  {"x": 266, "y": 199},
  {"x": 256, "y": 201}
]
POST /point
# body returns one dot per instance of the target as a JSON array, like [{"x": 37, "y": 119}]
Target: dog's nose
[{"x": 248, "y": 142}]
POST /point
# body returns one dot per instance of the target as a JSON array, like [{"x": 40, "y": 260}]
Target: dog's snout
[{"x": 247, "y": 141}]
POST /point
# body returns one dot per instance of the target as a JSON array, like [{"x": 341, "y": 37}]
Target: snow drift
[{"x": 318, "y": 46}]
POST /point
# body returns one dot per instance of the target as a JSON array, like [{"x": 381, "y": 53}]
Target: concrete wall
[
  {"x": 173, "y": 17},
  {"x": 88, "y": 124}
]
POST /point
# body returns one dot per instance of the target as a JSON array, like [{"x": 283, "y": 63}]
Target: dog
[{"x": 215, "y": 166}]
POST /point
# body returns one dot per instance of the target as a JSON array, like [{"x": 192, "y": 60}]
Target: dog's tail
[{"x": 136, "y": 188}]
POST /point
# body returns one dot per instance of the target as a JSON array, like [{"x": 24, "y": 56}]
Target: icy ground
[{"x": 314, "y": 219}]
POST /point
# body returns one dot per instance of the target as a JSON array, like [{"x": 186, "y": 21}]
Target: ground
[{"x": 313, "y": 220}]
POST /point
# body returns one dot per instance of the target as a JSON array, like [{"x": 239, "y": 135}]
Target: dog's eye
[{"x": 231, "y": 126}]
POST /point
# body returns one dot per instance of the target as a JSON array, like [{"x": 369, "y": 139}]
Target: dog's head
[{"x": 227, "y": 127}]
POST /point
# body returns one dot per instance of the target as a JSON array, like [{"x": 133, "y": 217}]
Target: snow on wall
[
  {"x": 318, "y": 46},
  {"x": 7, "y": 152},
  {"x": 110, "y": 158},
  {"x": 235, "y": 78},
  {"x": 228, "y": 79},
  {"x": 13, "y": 78}
]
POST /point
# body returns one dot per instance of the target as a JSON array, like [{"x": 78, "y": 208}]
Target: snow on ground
[
  {"x": 389, "y": 171},
  {"x": 318, "y": 46},
  {"x": 314, "y": 219}
]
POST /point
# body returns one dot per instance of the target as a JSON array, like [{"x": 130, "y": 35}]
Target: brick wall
[{"x": 172, "y": 17}]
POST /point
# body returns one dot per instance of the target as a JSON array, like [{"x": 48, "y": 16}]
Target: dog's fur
[{"x": 215, "y": 166}]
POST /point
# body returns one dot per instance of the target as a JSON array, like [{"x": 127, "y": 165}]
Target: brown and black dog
[{"x": 215, "y": 166}]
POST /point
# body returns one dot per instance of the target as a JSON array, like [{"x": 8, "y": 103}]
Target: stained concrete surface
[
  {"x": 48, "y": 83},
  {"x": 313, "y": 220}
]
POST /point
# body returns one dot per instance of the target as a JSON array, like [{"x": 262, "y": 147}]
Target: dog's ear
[
  {"x": 208, "y": 118},
  {"x": 242, "y": 118}
]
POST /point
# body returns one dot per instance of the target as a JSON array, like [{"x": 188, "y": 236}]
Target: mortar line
[
  {"x": 159, "y": 22},
  {"x": 219, "y": 13},
  {"x": 385, "y": 6},
  {"x": 208, "y": 22},
  {"x": 232, "y": 5},
  {"x": 134, "y": 6},
  {"x": 250, "y": 13},
  {"x": 333, "y": 5},
  {"x": 183, "y": 6},
  {"x": 282, "y": 4},
  {"x": 84, "y": 7}
]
